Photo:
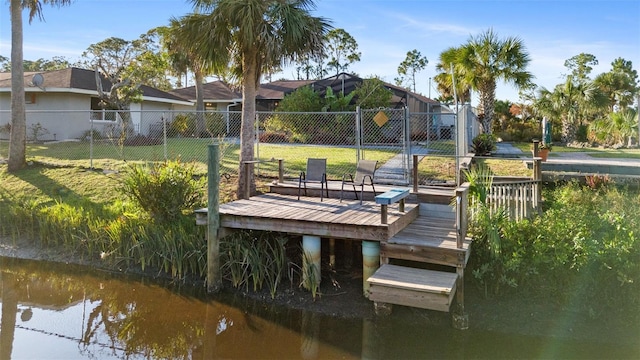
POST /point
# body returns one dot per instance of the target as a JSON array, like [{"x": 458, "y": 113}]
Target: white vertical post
[{"x": 370, "y": 262}]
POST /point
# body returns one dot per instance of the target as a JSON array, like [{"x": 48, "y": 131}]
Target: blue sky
[{"x": 552, "y": 31}]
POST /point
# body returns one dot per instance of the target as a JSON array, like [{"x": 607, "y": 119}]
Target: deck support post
[
  {"x": 459, "y": 317},
  {"x": 370, "y": 263},
  {"x": 214, "y": 278},
  {"x": 332, "y": 253},
  {"x": 311, "y": 261}
]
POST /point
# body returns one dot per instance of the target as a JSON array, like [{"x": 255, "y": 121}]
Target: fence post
[
  {"x": 91, "y": 143},
  {"x": 537, "y": 176},
  {"x": 164, "y": 135},
  {"x": 358, "y": 132},
  {"x": 214, "y": 279},
  {"x": 280, "y": 170},
  {"x": 415, "y": 173}
]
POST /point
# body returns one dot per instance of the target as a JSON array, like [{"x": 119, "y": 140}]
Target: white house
[{"x": 65, "y": 102}]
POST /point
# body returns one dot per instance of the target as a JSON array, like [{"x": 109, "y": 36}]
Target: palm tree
[
  {"x": 445, "y": 79},
  {"x": 18, "y": 137},
  {"x": 254, "y": 34},
  {"x": 182, "y": 58},
  {"x": 484, "y": 60},
  {"x": 617, "y": 128},
  {"x": 572, "y": 102}
]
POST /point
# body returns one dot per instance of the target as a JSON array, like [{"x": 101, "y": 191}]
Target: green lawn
[{"x": 340, "y": 160}]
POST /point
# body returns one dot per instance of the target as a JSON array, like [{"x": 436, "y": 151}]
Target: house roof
[
  {"x": 215, "y": 91},
  {"x": 219, "y": 91},
  {"x": 348, "y": 83},
  {"x": 276, "y": 90},
  {"x": 80, "y": 80}
]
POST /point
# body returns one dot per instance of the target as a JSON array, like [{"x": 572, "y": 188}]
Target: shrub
[
  {"x": 179, "y": 126},
  {"x": 164, "y": 190},
  {"x": 274, "y": 137},
  {"x": 484, "y": 144},
  {"x": 597, "y": 181},
  {"x": 584, "y": 246}
]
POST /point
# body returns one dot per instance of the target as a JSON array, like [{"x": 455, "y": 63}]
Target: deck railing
[{"x": 519, "y": 198}]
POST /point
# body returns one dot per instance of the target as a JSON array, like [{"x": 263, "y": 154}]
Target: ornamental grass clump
[{"x": 164, "y": 190}]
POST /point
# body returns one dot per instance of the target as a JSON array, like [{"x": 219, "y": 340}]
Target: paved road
[{"x": 570, "y": 157}]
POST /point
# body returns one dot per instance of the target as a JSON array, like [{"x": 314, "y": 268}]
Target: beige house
[{"x": 66, "y": 104}]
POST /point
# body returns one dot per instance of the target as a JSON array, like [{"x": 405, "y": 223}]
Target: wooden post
[
  {"x": 537, "y": 176},
  {"x": 383, "y": 214},
  {"x": 401, "y": 205},
  {"x": 415, "y": 173},
  {"x": 536, "y": 148},
  {"x": 214, "y": 278},
  {"x": 280, "y": 171},
  {"x": 459, "y": 317},
  {"x": 332, "y": 253}
]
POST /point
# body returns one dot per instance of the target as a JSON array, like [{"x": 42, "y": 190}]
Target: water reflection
[
  {"x": 80, "y": 315},
  {"x": 52, "y": 312}
]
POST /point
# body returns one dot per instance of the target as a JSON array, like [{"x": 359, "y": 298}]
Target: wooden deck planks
[{"x": 310, "y": 216}]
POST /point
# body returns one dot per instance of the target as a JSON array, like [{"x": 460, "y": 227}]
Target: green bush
[
  {"x": 180, "y": 126},
  {"x": 164, "y": 190},
  {"x": 483, "y": 144},
  {"x": 583, "y": 251}
]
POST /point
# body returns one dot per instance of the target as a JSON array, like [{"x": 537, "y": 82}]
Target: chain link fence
[{"x": 110, "y": 139}]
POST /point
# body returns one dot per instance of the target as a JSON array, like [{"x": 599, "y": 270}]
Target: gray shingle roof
[{"x": 82, "y": 79}]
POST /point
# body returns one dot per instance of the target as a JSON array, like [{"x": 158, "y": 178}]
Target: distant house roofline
[{"x": 82, "y": 81}]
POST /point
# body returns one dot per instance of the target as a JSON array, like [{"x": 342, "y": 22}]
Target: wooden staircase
[{"x": 437, "y": 237}]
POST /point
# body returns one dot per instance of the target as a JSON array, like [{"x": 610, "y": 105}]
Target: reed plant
[{"x": 254, "y": 258}]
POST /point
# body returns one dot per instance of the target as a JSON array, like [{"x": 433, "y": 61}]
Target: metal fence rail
[{"x": 109, "y": 139}]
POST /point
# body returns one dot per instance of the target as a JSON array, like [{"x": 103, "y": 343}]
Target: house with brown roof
[
  {"x": 427, "y": 115},
  {"x": 66, "y": 103}
]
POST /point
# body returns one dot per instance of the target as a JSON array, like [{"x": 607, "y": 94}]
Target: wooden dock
[
  {"x": 330, "y": 218},
  {"x": 425, "y": 233}
]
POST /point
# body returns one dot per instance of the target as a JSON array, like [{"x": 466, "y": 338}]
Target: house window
[
  {"x": 30, "y": 98},
  {"x": 98, "y": 111}
]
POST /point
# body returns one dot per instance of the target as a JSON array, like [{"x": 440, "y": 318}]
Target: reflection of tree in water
[{"x": 145, "y": 320}]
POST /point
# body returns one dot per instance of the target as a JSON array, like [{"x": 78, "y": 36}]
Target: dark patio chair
[
  {"x": 365, "y": 171},
  {"x": 316, "y": 173}
]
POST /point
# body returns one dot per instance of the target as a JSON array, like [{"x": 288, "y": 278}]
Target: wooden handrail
[{"x": 462, "y": 205}]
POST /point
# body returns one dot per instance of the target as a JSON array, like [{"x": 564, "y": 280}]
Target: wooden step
[
  {"x": 425, "y": 289},
  {"x": 428, "y": 240}
]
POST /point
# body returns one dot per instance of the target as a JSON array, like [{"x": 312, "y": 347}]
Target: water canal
[{"x": 53, "y": 311}]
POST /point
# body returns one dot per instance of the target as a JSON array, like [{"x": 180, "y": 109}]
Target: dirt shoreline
[{"x": 341, "y": 296}]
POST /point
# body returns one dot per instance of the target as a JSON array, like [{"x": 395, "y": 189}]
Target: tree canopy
[
  {"x": 409, "y": 67},
  {"x": 484, "y": 60},
  {"x": 253, "y": 35}
]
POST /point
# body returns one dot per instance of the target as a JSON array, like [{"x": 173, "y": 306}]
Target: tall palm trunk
[
  {"x": 247, "y": 130},
  {"x": 18, "y": 137},
  {"x": 201, "y": 127},
  {"x": 487, "y": 106}
]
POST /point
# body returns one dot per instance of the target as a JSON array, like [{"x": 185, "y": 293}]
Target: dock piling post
[
  {"x": 214, "y": 279},
  {"x": 370, "y": 263}
]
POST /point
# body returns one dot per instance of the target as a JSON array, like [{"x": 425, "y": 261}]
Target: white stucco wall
[{"x": 67, "y": 115}]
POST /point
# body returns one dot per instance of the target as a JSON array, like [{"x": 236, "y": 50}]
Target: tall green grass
[{"x": 582, "y": 252}]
